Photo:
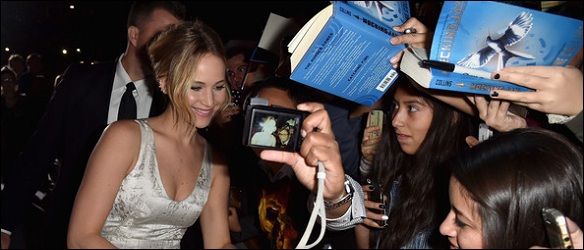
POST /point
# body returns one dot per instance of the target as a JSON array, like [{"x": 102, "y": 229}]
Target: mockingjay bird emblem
[{"x": 514, "y": 33}]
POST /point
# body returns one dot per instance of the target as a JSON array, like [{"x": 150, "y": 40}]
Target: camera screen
[{"x": 273, "y": 128}]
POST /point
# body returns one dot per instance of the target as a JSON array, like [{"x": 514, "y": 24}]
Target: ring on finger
[{"x": 410, "y": 30}]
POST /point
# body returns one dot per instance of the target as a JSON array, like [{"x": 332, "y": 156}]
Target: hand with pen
[{"x": 416, "y": 34}]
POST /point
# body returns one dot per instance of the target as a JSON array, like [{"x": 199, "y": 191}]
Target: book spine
[{"x": 468, "y": 84}]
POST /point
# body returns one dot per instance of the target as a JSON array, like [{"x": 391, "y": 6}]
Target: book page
[{"x": 304, "y": 38}]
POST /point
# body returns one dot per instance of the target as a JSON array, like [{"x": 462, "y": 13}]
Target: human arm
[
  {"x": 319, "y": 145},
  {"x": 215, "y": 215},
  {"x": 558, "y": 90},
  {"x": 112, "y": 159}
]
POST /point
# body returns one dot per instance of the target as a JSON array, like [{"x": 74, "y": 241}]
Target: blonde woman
[{"x": 148, "y": 180}]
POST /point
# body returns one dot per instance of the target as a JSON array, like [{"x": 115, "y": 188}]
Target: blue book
[
  {"x": 344, "y": 49},
  {"x": 469, "y": 34},
  {"x": 449, "y": 81}
]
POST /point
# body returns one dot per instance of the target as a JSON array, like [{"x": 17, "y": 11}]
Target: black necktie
[{"x": 128, "y": 104}]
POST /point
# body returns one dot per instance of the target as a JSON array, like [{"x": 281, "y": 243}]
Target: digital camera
[{"x": 271, "y": 127}]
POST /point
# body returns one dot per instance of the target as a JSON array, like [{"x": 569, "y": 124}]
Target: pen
[{"x": 456, "y": 68}]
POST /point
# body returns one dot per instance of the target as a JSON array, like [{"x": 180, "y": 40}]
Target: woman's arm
[
  {"x": 214, "y": 218},
  {"x": 112, "y": 159}
]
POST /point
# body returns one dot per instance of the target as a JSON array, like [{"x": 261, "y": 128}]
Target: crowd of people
[{"x": 176, "y": 172}]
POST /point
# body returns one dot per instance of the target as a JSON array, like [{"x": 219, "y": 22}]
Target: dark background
[{"x": 99, "y": 28}]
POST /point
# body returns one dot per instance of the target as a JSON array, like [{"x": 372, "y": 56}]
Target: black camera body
[{"x": 265, "y": 126}]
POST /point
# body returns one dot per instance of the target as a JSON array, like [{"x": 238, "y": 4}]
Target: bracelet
[{"x": 343, "y": 200}]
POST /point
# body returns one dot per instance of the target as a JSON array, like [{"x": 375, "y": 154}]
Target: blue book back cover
[
  {"x": 530, "y": 37},
  {"x": 350, "y": 56}
]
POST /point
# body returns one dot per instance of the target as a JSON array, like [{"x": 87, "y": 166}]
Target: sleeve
[
  {"x": 575, "y": 125},
  {"x": 354, "y": 215}
]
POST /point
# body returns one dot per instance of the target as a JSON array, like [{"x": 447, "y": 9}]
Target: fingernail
[
  {"x": 497, "y": 76},
  {"x": 384, "y": 217},
  {"x": 393, "y": 40},
  {"x": 495, "y": 94},
  {"x": 371, "y": 187},
  {"x": 382, "y": 206},
  {"x": 393, "y": 60}
]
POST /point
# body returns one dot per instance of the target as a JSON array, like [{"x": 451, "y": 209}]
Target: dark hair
[
  {"x": 140, "y": 11},
  {"x": 512, "y": 176},
  {"x": 8, "y": 70},
  {"x": 422, "y": 200},
  {"x": 297, "y": 92}
]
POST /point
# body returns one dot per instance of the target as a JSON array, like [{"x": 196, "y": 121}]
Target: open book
[
  {"x": 486, "y": 36},
  {"x": 411, "y": 65},
  {"x": 344, "y": 49}
]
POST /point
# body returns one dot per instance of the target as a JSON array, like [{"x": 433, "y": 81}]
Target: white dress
[{"x": 143, "y": 216}]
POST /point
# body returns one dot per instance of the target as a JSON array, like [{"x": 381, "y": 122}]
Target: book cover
[
  {"x": 344, "y": 50},
  {"x": 450, "y": 81},
  {"x": 489, "y": 35}
]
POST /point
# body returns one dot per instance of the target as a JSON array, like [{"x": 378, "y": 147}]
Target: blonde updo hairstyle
[{"x": 175, "y": 54}]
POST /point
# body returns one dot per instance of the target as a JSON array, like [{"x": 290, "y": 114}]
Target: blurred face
[
  {"x": 8, "y": 83},
  {"x": 159, "y": 21},
  {"x": 236, "y": 67},
  {"x": 463, "y": 226},
  {"x": 411, "y": 120},
  {"x": 284, "y": 135},
  {"x": 208, "y": 91}
]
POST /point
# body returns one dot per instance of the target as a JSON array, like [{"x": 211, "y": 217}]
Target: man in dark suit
[{"x": 85, "y": 102}]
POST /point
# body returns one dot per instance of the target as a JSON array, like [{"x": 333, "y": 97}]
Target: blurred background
[{"x": 67, "y": 31}]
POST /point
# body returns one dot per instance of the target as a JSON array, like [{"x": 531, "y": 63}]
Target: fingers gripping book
[
  {"x": 482, "y": 36},
  {"x": 344, "y": 49}
]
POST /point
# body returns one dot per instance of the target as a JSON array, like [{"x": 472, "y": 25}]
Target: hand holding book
[{"x": 558, "y": 89}]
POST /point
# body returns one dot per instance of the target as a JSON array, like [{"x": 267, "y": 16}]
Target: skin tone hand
[
  {"x": 374, "y": 211},
  {"x": 495, "y": 113},
  {"x": 421, "y": 39},
  {"x": 558, "y": 89},
  {"x": 368, "y": 145},
  {"x": 234, "y": 225},
  {"x": 225, "y": 115},
  {"x": 575, "y": 234},
  {"x": 319, "y": 144}
]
